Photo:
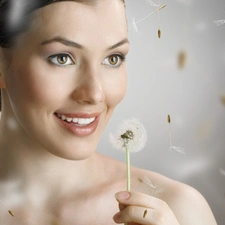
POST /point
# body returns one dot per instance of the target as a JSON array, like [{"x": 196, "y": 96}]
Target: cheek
[
  {"x": 32, "y": 84},
  {"x": 115, "y": 91}
]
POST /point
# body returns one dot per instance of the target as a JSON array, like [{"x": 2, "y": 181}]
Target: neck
[{"x": 30, "y": 165}]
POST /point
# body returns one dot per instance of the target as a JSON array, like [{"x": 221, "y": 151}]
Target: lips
[{"x": 79, "y": 124}]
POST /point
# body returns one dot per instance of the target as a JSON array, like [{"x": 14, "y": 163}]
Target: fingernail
[{"x": 123, "y": 195}]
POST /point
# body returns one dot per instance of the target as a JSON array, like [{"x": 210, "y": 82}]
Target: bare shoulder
[{"x": 188, "y": 204}]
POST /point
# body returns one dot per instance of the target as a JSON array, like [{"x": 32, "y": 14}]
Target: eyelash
[{"x": 119, "y": 60}]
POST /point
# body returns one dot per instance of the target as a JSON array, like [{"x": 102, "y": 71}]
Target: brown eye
[
  {"x": 61, "y": 60},
  {"x": 114, "y": 60}
]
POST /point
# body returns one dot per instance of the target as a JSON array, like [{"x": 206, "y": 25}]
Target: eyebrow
[{"x": 69, "y": 43}]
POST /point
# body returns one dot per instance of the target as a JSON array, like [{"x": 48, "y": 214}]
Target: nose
[{"x": 89, "y": 89}]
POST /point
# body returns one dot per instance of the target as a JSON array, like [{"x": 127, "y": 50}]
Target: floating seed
[
  {"x": 161, "y": 7},
  {"x": 145, "y": 213},
  {"x": 168, "y": 119},
  {"x": 159, "y": 33},
  {"x": 222, "y": 99},
  {"x": 182, "y": 58},
  {"x": 11, "y": 213}
]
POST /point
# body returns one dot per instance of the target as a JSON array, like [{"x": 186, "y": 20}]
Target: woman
[{"x": 62, "y": 73}]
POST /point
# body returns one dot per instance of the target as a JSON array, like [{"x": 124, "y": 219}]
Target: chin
[{"x": 74, "y": 153}]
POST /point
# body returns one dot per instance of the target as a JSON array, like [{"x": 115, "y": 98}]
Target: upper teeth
[{"x": 81, "y": 121}]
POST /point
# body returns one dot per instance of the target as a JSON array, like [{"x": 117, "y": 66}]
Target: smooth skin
[{"x": 50, "y": 176}]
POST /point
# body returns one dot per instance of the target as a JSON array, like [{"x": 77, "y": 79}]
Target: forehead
[{"x": 105, "y": 20}]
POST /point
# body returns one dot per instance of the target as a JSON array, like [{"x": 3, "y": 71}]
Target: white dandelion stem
[{"x": 128, "y": 168}]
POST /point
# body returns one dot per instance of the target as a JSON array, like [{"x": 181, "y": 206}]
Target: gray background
[{"x": 192, "y": 95}]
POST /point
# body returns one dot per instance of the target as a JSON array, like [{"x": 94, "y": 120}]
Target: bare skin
[{"x": 53, "y": 176}]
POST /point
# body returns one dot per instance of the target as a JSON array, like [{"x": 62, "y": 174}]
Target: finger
[
  {"x": 140, "y": 215},
  {"x": 140, "y": 199},
  {"x": 122, "y": 206}
]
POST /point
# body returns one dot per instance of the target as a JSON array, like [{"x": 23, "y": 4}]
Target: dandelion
[{"x": 130, "y": 137}]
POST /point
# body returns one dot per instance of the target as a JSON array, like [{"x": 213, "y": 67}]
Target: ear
[{"x": 2, "y": 81}]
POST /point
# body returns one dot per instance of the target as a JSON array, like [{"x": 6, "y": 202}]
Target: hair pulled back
[{"x": 16, "y": 17}]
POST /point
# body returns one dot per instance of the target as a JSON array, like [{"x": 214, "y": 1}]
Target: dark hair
[{"x": 15, "y": 18}]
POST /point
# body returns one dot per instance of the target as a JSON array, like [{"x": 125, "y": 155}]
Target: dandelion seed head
[{"x": 131, "y": 134}]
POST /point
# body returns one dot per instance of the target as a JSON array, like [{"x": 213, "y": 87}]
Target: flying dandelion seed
[
  {"x": 172, "y": 147},
  {"x": 159, "y": 30},
  {"x": 182, "y": 58},
  {"x": 222, "y": 99},
  {"x": 168, "y": 119},
  {"x": 134, "y": 22},
  {"x": 145, "y": 213},
  {"x": 161, "y": 7},
  {"x": 9, "y": 211},
  {"x": 219, "y": 22},
  {"x": 147, "y": 181},
  {"x": 159, "y": 33}
]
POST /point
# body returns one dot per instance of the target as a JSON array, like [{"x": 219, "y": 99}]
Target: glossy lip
[{"x": 81, "y": 131}]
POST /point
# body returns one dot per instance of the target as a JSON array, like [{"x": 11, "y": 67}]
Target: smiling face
[{"x": 66, "y": 76}]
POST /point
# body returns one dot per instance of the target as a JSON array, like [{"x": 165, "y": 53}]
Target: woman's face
[{"x": 67, "y": 75}]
